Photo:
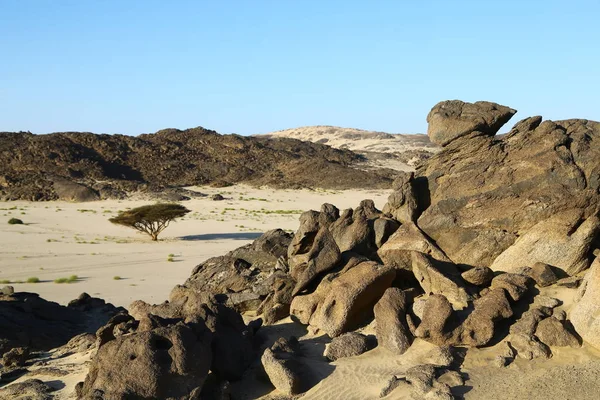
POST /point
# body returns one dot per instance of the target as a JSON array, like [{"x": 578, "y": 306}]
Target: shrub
[
  {"x": 15, "y": 221},
  {"x": 117, "y": 278},
  {"x": 150, "y": 219},
  {"x": 70, "y": 279},
  {"x": 33, "y": 279}
]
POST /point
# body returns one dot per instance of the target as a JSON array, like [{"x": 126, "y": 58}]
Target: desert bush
[
  {"x": 33, "y": 279},
  {"x": 15, "y": 221},
  {"x": 150, "y": 219}
]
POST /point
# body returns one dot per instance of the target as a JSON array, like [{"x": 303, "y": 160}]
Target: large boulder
[
  {"x": 390, "y": 318},
  {"x": 397, "y": 250},
  {"x": 451, "y": 119},
  {"x": 351, "y": 297},
  {"x": 564, "y": 241},
  {"x": 440, "y": 278},
  {"x": 169, "y": 362},
  {"x": 323, "y": 256},
  {"x": 584, "y": 314},
  {"x": 483, "y": 194}
]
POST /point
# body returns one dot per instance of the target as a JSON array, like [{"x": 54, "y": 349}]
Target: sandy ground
[{"x": 61, "y": 239}]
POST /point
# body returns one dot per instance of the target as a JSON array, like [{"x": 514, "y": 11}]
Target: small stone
[
  {"x": 571, "y": 282},
  {"x": 500, "y": 361},
  {"x": 217, "y": 197},
  {"x": 560, "y": 315},
  {"x": 546, "y": 301},
  {"x": 542, "y": 274},
  {"x": 451, "y": 378},
  {"x": 479, "y": 276},
  {"x": 8, "y": 290}
]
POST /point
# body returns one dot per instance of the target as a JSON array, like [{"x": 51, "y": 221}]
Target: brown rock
[
  {"x": 390, "y": 316},
  {"x": 437, "y": 322},
  {"x": 16, "y": 357},
  {"x": 553, "y": 332},
  {"x": 543, "y": 275},
  {"x": 351, "y": 298},
  {"x": 479, "y": 276},
  {"x": 516, "y": 285},
  {"x": 347, "y": 345},
  {"x": 528, "y": 347},
  {"x": 322, "y": 257},
  {"x": 168, "y": 362},
  {"x": 480, "y": 326},
  {"x": 584, "y": 313},
  {"x": 438, "y": 278},
  {"x": 452, "y": 119}
]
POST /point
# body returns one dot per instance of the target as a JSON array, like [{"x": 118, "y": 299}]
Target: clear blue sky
[{"x": 256, "y": 66}]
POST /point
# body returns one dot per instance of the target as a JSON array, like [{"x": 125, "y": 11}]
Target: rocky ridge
[{"x": 80, "y": 166}]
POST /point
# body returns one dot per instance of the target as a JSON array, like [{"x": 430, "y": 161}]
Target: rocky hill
[
  {"x": 397, "y": 151},
  {"x": 81, "y": 166}
]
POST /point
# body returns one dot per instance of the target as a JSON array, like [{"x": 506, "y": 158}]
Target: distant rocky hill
[
  {"x": 85, "y": 166},
  {"x": 397, "y": 151}
]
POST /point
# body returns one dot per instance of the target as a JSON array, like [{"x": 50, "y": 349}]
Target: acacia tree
[{"x": 151, "y": 219}]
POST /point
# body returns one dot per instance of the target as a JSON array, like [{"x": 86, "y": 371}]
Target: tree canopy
[{"x": 151, "y": 219}]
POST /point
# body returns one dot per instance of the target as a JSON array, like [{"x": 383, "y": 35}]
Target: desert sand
[{"x": 61, "y": 239}]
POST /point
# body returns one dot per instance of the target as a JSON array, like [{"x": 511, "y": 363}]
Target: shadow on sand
[{"x": 221, "y": 236}]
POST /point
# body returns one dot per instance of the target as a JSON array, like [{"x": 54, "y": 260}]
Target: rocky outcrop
[
  {"x": 83, "y": 166},
  {"x": 488, "y": 199},
  {"x": 28, "y": 320}
]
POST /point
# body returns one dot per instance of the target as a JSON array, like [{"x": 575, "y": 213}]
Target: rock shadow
[{"x": 222, "y": 236}]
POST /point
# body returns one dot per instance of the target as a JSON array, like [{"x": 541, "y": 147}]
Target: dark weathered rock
[
  {"x": 528, "y": 322},
  {"x": 383, "y": 228},
  {"x": 390, "y": 316},
  {"x": 543, "y": 274},
  {"x": 347, "y": 345},
  {"x": 452, "y": 119},
  {"x": 167, "y": 362},
  {"x": 16, "y": 357},
  {"x": 28, "y": 320},
  {"x": 351, "y": 297},
  {"x": 479, "y": 276},
  {"x": 113, "y": 165},
  {"x": 217, "y": 197},
  {"x": 323, "y": 256},
  {"x": 245, "y": 276}
]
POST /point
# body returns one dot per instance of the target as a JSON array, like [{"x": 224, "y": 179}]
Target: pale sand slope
[{"x": 62, "y": 239}]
